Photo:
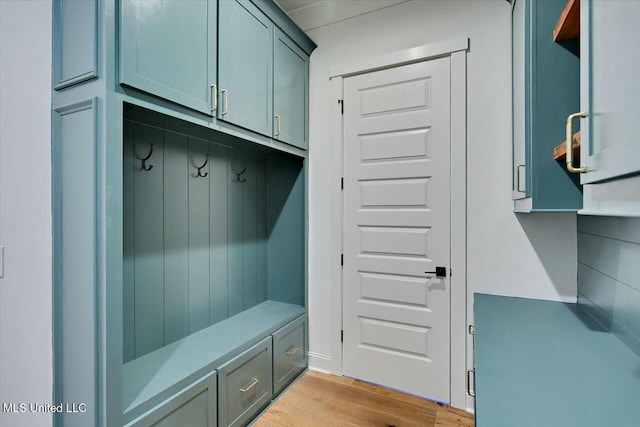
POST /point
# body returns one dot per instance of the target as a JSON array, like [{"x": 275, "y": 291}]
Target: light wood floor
[{"x": 327, "y": 400}]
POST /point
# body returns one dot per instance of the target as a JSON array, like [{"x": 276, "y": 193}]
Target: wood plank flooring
[{"x": 326, "y": 400}]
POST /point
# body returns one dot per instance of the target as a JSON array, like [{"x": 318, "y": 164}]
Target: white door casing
[{"x": 397, "y": 142}]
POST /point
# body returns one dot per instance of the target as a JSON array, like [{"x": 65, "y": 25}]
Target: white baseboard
[{"x": 321, "y": 363}]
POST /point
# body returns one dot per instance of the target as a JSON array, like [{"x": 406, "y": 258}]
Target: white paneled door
[{"x": 396, "y": 314}]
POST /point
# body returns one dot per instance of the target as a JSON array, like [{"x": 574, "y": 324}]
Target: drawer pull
[
  {"x": 471, "y": 392},
  {"x": 254, "y": 381},
  {"x": 277, "y": 116},
  {"x": 518, "y": 179},
  {"x": 293, "y": 350},
  {"x": 214, "y": 98},
  {"x": 225, "y": 102},
  {"x": 569, "y": 142}
]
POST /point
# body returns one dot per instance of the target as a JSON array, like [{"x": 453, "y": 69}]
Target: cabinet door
[
  {"x": 168, "y": 48},
  {"x": 194, "y": 406},
  {"x": 290, "y": 91},
  {"x": 609, "y": 88},
  {"x": 519, "y": 31},
  {"x": 245, "y": 66}
]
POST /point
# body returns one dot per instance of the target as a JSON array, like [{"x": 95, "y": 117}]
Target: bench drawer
[
  {"x": 245, "y": 385},
  {"x": 193, "y": 406},
  {"x": 289, "y": 353}
]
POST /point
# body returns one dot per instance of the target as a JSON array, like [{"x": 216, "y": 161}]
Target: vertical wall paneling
[
  {"x": 75, "y": 42},
  {"x": 609, "y": 274},
  {"x": 249, "y": 232},
  {"x": 200, "y": 249},
  {"x": 198, "y": 236},
  {"x": 234, "y": 233},
  {"x": 218, "y": 184},
  {"x": 75, "y": 277},
  {"x": 128, "y": 255},
  {"x": 149, "y": 241},
  {"x": 286, "y": 250},
  {"x": 176, "y": 236},
  {"x": 261, "y": 229}
]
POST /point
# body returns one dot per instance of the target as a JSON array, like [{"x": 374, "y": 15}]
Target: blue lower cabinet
[
  {"x": 245, "y": 385},
  {"x": 289, "y": 353},
  {"x": 195, "y": 406}
]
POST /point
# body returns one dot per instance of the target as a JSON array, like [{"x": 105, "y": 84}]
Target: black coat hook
[
  {"x": 239, "y": 177},
  {"x": 200, "y": 174},
  {"x": 144, "y": 160}
]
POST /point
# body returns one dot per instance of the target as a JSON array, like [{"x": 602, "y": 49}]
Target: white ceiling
[{"x": 289, "y": 5}]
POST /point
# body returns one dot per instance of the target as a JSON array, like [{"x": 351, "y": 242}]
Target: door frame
[{"x": 456, "y": 50}]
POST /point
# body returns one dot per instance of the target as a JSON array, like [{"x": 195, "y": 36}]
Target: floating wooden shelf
[
  {"x": 568, "y": 26},
  {"x": 560, "y": 152}
]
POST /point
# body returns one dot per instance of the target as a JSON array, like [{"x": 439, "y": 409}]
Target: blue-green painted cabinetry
[
  {"x": 289, "y": 353},
  {"x": 168, "y": 49},
  {"x": 224, "y": 58},
  {"x": 546, "y": 89},
  {"x": 195, "y": 406},
  {"x": 245, "y": 66},
  {"x": 180, "y": 239},
  {"x": 75, "y": 42},
  {"x": 290, "y": 91},
  {"x": 609, "y": 91},
  {"x": 245, "y": 385}
]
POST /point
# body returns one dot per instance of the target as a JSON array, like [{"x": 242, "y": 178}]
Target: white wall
[
  {"x": 523, "y": 255},
  {"x": 25, "y": 209}
]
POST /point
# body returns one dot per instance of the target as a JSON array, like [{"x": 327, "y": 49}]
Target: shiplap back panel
[
  {"x": 195, "y": 248},
  {"x": 609, "y": 274}
]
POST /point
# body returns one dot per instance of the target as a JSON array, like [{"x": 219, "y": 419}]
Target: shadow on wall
[{"x": 557, "y": 252}]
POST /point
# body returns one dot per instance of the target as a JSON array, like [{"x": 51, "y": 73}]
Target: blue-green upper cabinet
[
  {"x": 609, "y": 89},
  {"x": 290, "y": 91},
  {"x": 546, "y": 89},
  {"x": 168, "y": 48},
  {"x": 245, "y": 59}
]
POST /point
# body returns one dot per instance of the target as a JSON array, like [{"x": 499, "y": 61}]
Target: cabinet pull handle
[
  {"x": 277, "y": 125},
  {"x": 569, "y": 143},
  {"x": 470, "y": 392},
  {"x": 518, "y": 179},
  {"x": 254, "y": 381},
  {"x": 225, "y": 102},
  {"x": 293, "y": 350},
  {"x": 214, "y": 98}
]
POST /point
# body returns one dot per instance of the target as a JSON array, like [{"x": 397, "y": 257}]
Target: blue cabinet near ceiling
[
  {"x": 290, "y": 91},
  {"x": 168, "y": 49},
  {"x": 546, "y": 89},
  {"x": 245, "y": 66}
]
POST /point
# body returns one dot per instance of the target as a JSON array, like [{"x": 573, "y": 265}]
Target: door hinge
[
  {"x": 342, "y": 335},
  {"x": 472, "y": 330},
  {"x": 341, "y": 259},
  {"x": 342, "y": 183},
  {"x": 1, "y": 262},
  {"x": 341, "y": 102}
]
